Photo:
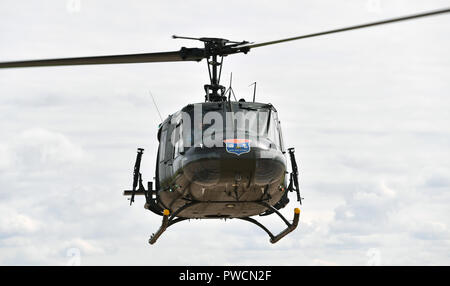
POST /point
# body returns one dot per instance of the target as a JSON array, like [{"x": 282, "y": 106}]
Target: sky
[{"x": 366, "y": 110}]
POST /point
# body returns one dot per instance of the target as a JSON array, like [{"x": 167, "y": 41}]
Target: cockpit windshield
[{"x": 209, "y": 123}]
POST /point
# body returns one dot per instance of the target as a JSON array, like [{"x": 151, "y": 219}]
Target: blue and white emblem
[{"x": 237, "y": 146}]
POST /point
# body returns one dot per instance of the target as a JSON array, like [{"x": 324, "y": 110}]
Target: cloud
[
  {"x": 13, "y": 223},
  {"x": 438, "y": 181},
  {"x": 5, "y": 159},
  {"x": 43, "y": 147},
  {"x": 431, "y": 231},
  {"x": 86, "y": 247},
  {"x": 38, "y": 150}
]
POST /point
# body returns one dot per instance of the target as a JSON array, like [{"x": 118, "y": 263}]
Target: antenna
[
  {"x": 254, "y": 90},
  {"x": 230, "y": 89},
  {"x": 156, "y": 106}
]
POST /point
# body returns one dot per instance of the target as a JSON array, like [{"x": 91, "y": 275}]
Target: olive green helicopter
[{"x": 220, "y": 159}]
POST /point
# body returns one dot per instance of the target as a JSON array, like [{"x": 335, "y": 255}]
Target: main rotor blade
[
  {"x": 387, "y": 21},
  {"x": 184, "y": 54}
]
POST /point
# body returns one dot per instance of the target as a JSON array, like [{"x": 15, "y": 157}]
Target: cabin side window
[
  {"x": 169, "y": 146},
  {"x": 162, "y": 146},
  {"x": 281, "y": 137},
  {"x": 273, "y": 133},
  {"x": 178, "y": 139}
]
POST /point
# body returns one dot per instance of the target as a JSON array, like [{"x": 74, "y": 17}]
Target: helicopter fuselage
[{"x": 229, "y": 179}]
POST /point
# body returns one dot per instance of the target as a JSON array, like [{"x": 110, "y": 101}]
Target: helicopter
[{"x": 222, "y": 158}]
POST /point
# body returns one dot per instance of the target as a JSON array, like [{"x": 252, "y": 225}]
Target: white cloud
[
  {"x": 5, "y": 160},
  {"x": 86, "y": 247},
  {"x": 39, "y": 148},
  {"x": 13, "y": 223}
]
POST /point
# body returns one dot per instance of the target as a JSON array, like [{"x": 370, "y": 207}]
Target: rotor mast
[
  {"x": 214, "y": 91},
  {"x": 215, "y": 50}
]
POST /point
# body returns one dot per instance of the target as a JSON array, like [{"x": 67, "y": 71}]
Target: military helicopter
[{"x": 222, "y": 158}]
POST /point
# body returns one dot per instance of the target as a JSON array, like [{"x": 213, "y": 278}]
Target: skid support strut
[
  {"x": 164, "y": 225},
  {"x": 289, "y": 229},
  {"x": 290, "y": 226},
  {"x": 169, "y": 220}
]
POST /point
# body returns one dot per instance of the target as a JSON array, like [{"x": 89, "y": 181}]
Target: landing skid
[
  {"x": 290, "y": 226},
  {"x": 169, "y": 220}
]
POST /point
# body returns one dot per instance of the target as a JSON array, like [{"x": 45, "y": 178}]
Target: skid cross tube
[
  {"x": 275, "y": 211},
  {"x": 290, "y": 226},
  {"x": 289, "y": 229},
  {"x": 168, "y": 221},
  {"x": 286, "y": 231}
]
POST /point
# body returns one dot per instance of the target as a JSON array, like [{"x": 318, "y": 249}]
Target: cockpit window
[
  {"x": 244, "y": 123},
  {"x": 230, "y": 121},
  {"x": 273, "y": 133}
]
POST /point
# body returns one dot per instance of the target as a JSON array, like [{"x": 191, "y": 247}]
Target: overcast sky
[{"x": 366, "y": 110}]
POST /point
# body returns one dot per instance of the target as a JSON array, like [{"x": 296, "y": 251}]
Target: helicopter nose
[
  {"x": 227, "y": 168},
  {"x": 267, "y": 170},
  {"x": 203, "y": 171},
  {"x": 209, "y": 172}
]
